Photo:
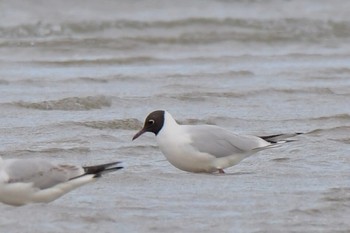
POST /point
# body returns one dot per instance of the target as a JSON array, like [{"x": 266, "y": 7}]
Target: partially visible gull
[{"x": 24, "y": 181}]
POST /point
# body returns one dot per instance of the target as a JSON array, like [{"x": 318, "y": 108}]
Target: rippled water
[{"x": 77, "y": 79}]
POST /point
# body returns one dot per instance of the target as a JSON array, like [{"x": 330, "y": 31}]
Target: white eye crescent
[{"x": 151, "y": 122}]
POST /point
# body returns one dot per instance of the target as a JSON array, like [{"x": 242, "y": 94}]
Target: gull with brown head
[{"x": 203, "y": 148}]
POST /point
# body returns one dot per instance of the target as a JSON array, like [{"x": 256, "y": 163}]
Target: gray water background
[{"x": 77, "y": 78}]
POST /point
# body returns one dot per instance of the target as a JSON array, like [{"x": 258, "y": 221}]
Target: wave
[
  {"x": 340, "y": 128},
  {"x": 202, "y": 95},
  {"x": 194, "y": 30},
  {"x": 135, "y": 124},
  {"x": 337, "y": 117},
  {"x": 344, "y": 140},
  {"x": 53, "y": 150},
  {"x": 4, "y": 82},
  {"x": 333, "y": 200},
  {"x": 69, "y": 104},
  {"x": 102, "y": 61},
  {"x": 127, "y": 124},
  {"x": 138, "y": 148},
  {"x": 239, "y": 73},
  {"x": 337, "y": 130},
  {"x": 107, "y": 79}
]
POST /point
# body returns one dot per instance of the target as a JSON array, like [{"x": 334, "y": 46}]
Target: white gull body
[{"x": 203, "y": 148}]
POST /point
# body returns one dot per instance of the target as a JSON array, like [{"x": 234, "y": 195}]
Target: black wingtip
[
  {"x": 279, "y": 137},
  {"x": 99, "y": 169}
]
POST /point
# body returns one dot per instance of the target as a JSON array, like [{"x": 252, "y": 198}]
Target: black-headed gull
[
  {"x": 24, "y": 181},
  {"x": 203, "y": 148}
]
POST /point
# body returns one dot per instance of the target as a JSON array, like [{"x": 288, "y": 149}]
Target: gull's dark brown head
[{"x": 153, "y": 123}]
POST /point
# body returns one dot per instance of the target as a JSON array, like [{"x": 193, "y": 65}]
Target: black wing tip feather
[
  {"x": 98, "y": 170},
  {"x": 277, "y": 137},
  {"x": 99, "y": 174},
  {"x": 101, "y": 168}
]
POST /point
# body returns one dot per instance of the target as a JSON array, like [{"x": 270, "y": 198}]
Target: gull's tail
[{"x": 279, "y": 138}]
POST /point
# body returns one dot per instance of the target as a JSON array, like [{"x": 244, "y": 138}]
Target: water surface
[{"x": 78, "y": 78}]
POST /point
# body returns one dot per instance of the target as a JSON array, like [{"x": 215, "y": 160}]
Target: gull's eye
[{"x": 151, "y": 122}]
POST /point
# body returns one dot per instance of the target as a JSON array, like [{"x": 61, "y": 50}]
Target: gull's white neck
[
  {"x": 170, "y": 125},
  {"x": 173, "y": 141}
]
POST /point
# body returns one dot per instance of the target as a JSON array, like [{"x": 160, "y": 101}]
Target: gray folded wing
[
  {"x": 41, "y": 173},
  {"x": 220, "y": 142}
]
